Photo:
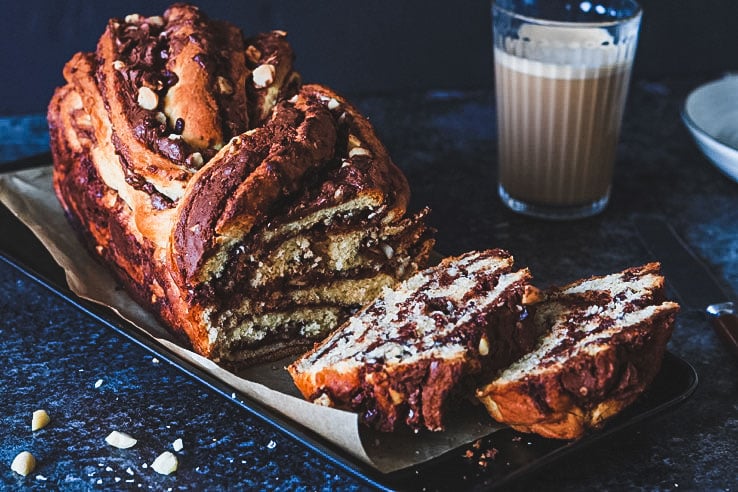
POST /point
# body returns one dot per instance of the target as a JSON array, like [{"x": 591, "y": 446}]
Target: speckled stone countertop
[{"x": 92, "y": 380}]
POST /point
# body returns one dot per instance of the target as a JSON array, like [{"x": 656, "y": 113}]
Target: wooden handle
[{"x": 726, "y": 325}]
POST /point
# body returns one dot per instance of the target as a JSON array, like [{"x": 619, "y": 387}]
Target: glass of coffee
[{"x": 562, "y": 70}]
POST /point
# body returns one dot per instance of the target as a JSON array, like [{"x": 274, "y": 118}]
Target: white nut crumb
[
  {"x": 40, "y": 420},
  {"x": 323, "y": 400},
  {"x": 333, "y": 104},
  {"x": 155, "y": 20},
  {"x": 129, "y": 471},
  {"x": 483, "y": 346},
  {"x": 388, "y": 251},
  {"x": 161, "y": 118},
  {"x": 41, "y": 478},
  {"x": 132, "y": 18},
  {"x": 224, "y": 85},
  {"x": 264, "y": 75},
  {"x": 280, "y": 32},
  {"x": 195, "y": 159},
  {"x": 358, "y": 151},
  {"x": 98, "y": 383},
  {"x": 154, "y": 360},
  {"x": 147, "y": 98},
  {"x": 24, "y": 463},
  {"x": 293, "y": 99},
  {"x": 165, "y": 464},
  {"x": 178, "y": 445},
  {"x": 119, "y": 65},
  {"x": 120, "y": 440},
  {"x": 271, "y": 444}
]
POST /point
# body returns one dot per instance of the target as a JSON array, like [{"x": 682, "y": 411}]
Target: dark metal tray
[{"x": 497, "y": 460}]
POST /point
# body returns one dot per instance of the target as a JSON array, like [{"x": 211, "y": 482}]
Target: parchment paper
[{"x": 29, "y": 195}]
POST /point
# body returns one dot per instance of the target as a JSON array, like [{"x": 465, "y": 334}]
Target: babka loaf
[
  {"x": 604, "y": 341},
  {"x": 251, "y": 213},
  {"x": 399, "y": 360}
]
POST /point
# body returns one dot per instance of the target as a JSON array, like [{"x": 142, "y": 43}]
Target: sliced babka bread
[
  {"x": 604, "y": 341},
  {"x": 400, "y": 358},
  {"x": 249, "y": 212}
]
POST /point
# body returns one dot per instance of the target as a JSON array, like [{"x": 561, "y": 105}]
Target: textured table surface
[{"x": 91, "y": 380}]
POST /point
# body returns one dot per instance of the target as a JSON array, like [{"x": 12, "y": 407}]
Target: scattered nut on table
[
  {"x": 24, "y": 463},
  {"x": 40, "y": 420},
  {"x": 178, "y": 444},
  {"x": 165, "y": 463},
  {"x": 120, "y": 440}
]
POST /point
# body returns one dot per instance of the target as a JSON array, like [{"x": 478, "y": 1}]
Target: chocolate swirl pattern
[{"x": 250, "y": 212}]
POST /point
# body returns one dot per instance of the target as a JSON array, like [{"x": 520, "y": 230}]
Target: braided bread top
[{"x": 209, "y": 137}]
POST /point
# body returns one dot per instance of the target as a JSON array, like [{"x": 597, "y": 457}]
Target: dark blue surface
[{"x": 53, "y": 355}]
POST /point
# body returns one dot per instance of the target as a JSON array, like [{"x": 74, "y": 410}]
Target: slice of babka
[
  {"x": 399, "y": 359},
  {"x": 604, "y": 341}
]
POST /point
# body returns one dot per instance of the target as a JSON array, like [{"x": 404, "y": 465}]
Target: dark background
[{"x": 357, "y": 47}]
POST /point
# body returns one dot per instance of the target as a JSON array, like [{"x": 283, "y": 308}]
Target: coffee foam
[{"x": 563, "y": 52}]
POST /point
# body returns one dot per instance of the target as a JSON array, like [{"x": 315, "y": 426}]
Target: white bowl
[{"x": 711, "y": 115}]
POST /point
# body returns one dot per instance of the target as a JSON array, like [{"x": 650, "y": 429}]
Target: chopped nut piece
[
  {"x": 253, "y": 54},
  {"x": 178, "y": 444},
  {"x": 263, "y": 75},
  {"x": 155, "y": 20},
  {"x": 40, "y": 420},
  {"x": 333, "y": 104},
  {"x": 388, "y": 251},
  {"x": 120, "y": 440},
  {"x": 132, "y": 18},
  {"x": 165, "y": 464},
  {"x": 224, "y": 85},
  {"x": 280, "y": 32},
  {"x": 483, "y": 346},
  {"x": 195, "y": 160},
  {"x": 293, "y": 99},
  {"x": 323, "y": 400},
  {"x": 119, "y": 65},
  {"x": 147, "y": 98},
  {"x": 359, "y": 151},
  {"x": 24, "y": 463},
  {"x": 98, "y": 383},
  {"x": 353, "y": 141},
  {"x": 161, "y": 118}
]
